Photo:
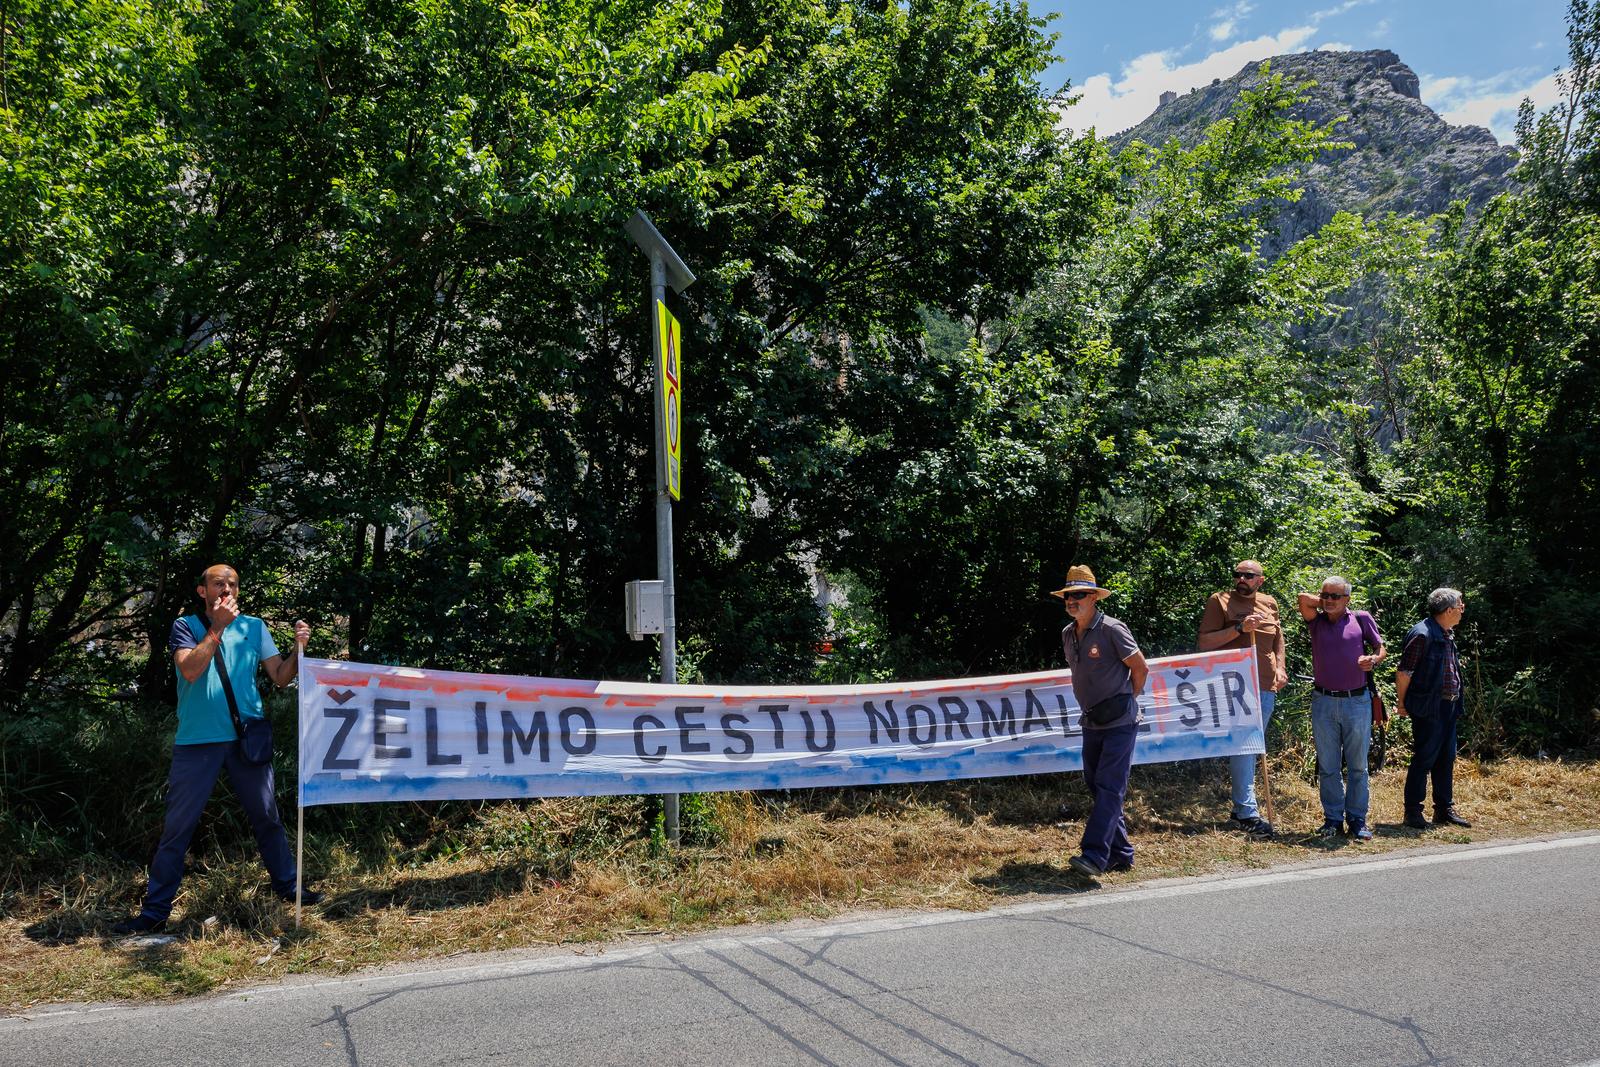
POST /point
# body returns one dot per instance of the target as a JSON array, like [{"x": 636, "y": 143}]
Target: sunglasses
[
  {"x": 1245, "y": 574},
  {"x": 1078, "y": 595},
  {"x": 1333, "y": 596}
]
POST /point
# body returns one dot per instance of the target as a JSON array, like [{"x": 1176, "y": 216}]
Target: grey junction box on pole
[
  {"x": 666, "y": 268},
  {"x": 644, "y": 606}
]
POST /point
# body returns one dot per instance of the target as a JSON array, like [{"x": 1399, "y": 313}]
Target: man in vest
[
  {"x": 1427, "y": 687},
  {"x": 1240, "y": 618},
  {"x": 219, "y": 637},
  {"x": 1108, "y": 674}
]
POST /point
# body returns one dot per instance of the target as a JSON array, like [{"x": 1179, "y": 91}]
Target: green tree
[
  {"x": 1500, "y": 460},
  {"x": 1113, "y": 416},
  {"x": 277, "y": 242},
  {"x": 898, "y": 157},
  {"x": 91, "y": 199}
]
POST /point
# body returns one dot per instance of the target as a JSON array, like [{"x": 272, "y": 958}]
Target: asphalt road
[{"x": 1479, "y": 955}]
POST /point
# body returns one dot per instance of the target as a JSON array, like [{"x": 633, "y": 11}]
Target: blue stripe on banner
[{"x": 855, "y": 769}]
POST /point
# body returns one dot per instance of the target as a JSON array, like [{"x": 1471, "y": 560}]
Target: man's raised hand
[{"x": 223, "y": 611}]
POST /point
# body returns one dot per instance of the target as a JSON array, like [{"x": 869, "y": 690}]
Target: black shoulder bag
[{"x": 255, "y": 735}]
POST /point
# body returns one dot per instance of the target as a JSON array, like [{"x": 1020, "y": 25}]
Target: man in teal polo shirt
[{"x": 207, "y": 741}]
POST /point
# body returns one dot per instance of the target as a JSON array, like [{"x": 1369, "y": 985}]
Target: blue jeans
[
  {"x": 1342, "y": 729},
  {"x": 194, "y": 775},
  {"x": 1242, "y": 769},
  {"x": 1107, "y": 759}
]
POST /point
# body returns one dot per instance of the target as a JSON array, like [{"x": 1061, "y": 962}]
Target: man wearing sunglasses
[
  {"x": 1239, "y": 618},
  {"x": 1345, "y": 645},
  {"x": 1108, "y": 674}
]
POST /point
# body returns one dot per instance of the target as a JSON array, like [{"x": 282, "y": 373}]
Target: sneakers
[
  {"x": 1086, "y": 866},
  {"x": 1360, "y": 831},
  {"x": 139, "y": 924},
  {"x": 1121, "y": 865},
  {"x": 1448, "y": 816},
  {"x": 1415, "y": 820},
  {"x": 1253, "y": 826},
  {"x": 1330, "y": 830}
]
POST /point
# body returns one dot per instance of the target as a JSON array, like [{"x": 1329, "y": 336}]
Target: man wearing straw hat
[
  {"x": 1240, "y": 618},
  {"x": 213, "y": 709},
  {"x": 1108, "y": 674}
]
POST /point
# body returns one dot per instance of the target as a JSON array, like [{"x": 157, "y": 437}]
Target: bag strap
[
  {"x": 227, "y": 684},
  {"x": 1370, "y": 628}
]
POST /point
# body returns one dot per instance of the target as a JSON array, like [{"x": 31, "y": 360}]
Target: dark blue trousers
[
  {"x": 1107, "y": 758},
  {"x": 1433, "y": 755},
  {"x": 194, "y": 775}
]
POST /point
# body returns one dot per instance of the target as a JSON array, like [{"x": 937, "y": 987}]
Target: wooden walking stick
[{"x": 1266, "y": 781}]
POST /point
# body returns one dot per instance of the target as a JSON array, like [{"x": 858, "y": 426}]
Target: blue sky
[{"x": 1476, "y": 59}]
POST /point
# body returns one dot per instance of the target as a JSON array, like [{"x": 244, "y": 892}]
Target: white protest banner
[{"x": 370, "y": 733}]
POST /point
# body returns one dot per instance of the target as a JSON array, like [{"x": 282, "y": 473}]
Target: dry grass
[{"x": 960, "y": 845}]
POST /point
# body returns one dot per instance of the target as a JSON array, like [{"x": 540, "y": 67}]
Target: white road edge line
[{"x": 607, "y": 957}]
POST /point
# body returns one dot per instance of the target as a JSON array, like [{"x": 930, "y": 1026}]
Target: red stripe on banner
[
  {"x": 1158, "y": 690},
  {"x": 544, "y": 693},
  {"x": 344, "y": 678}
]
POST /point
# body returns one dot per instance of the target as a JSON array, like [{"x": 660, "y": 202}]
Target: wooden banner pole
[{"x": 299, "y": 793}]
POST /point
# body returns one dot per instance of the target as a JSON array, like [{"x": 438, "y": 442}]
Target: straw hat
[{"x": 1080, "y": 577}]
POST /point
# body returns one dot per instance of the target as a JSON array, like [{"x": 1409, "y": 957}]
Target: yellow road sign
[{"x": 671, "y": 393}]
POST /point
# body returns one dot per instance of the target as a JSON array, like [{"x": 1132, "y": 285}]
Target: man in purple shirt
[{"x": 1345, "y": 645}]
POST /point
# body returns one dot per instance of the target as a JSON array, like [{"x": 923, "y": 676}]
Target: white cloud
[
  {"x": 1331, "y": 12},
  {"x": 1335, "y": 46},
  {"x": 1227, "y": 23},
  {"x": 1491, "y": 102},
  {"x": 1112, "y": 105}
]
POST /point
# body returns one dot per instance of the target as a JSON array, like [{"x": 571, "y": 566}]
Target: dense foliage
[{"x": 339, "y": 292}]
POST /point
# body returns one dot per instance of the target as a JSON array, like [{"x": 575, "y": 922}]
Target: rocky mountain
[{"x": 1405, "y": 158}]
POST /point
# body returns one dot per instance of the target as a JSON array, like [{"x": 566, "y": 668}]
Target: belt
[{"x": 1340, "y": 692}]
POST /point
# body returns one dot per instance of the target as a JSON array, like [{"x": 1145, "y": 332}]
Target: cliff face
[{"x": 1405, "y": 158}]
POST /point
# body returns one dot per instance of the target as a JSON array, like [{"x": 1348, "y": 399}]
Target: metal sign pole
[
  {"x": 666, "y": 268},
  {"x": 669, "y": 628}
]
